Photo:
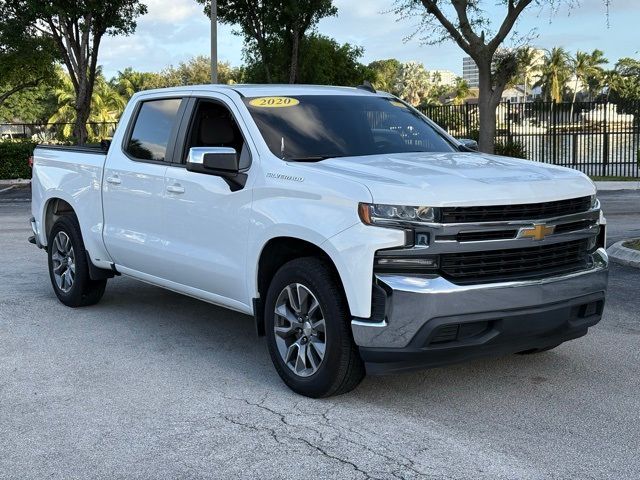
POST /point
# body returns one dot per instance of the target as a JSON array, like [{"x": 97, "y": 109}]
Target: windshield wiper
[{"x": 311, "y": 158}]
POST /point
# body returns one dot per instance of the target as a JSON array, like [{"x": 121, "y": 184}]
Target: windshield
[{"x": 314, "y": 127}]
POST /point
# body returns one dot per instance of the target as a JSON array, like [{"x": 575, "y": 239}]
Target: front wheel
[
  {"x": 68, "y": 267},
  {"x": 308, "y": 330}
]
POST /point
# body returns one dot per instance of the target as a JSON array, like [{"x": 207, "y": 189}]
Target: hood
[{"x": 458, "y": 179}]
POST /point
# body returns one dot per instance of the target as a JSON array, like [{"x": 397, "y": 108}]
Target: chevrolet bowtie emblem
[{"x": 538, "y": 231}]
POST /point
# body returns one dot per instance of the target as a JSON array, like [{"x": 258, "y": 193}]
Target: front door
[{"x": 209, "y": 223}]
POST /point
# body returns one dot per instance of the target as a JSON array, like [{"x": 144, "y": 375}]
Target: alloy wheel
[
  {"x": 64, "y": 262},
  {"x": 299, "y": 329}
]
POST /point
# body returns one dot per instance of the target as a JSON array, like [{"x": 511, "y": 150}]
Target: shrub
[
  {"x": 14, "y": 159},
  {"x": 510, "y": 148}
]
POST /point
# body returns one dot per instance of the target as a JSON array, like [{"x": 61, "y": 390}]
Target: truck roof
[{"x": 263, "y": 90}]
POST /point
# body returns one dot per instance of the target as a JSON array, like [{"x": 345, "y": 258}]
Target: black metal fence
[
  {"x": 597, "y": 138},
  {"x": 53, "y": 132}
]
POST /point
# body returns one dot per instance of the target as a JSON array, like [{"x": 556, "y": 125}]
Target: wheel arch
[
  {"x": 54, "y": 208},
  {"x": 276, "y": 252}
]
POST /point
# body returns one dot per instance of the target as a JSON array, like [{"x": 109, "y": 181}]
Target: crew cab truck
[{"x": 360, "y": 235}]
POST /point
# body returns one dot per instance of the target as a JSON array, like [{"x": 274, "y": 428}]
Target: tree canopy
[
  {"x": 76, "y": 29},
  {"x": 265, "y": 24}
]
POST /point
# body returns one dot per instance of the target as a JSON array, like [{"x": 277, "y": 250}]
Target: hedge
[{"x": 14, "y": 159}]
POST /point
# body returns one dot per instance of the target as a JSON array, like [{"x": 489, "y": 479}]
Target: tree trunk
[
  {"x": 487, "y": 108},
  {"x": 83, "y": 111},
  {"x": 295, "y": 52},
  {"x": 573, "y": 102}
]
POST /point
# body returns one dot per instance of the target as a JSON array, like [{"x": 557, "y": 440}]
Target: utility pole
[{"x": 214, "y": 41}]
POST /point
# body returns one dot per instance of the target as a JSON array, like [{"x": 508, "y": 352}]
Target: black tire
[
  {"x": 341, "y": 369},
  {"x": 537, "y": 350},
  {"x": 83, "y": 291}
]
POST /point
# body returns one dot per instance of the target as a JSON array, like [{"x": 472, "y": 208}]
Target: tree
[
  {"x": 556, "y": 71},
  {"x": 460, "y": 91},
  {"x": 129, "y": 81},
  {"x": 322, "y": 61},
  {"x": 385, "y": 74},
  {"x": 465, "y": 22},
  {"x": 77, "y": 29},
  {"x": 264, "y": 23},
  {"x": 624, "y": 81},
  {"x": 27, "y": 59},
  {"x": 197, "y": 71},
  {"x": 106, "y": 107},
  {"x": 587, "y": 68},
  {"x": 414, "y": 83}
]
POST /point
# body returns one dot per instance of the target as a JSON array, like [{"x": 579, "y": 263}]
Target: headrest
[{"x": 216, "y": 131}]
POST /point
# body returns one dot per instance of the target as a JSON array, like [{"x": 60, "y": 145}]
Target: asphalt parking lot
[{"x": 151, "y": 384}]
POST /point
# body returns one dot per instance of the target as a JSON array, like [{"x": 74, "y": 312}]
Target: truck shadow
[{"x": 179, "y": 327}]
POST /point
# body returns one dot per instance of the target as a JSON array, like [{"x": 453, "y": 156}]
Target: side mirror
[
  {"x": 468, "y": 144},
  {"x": 219, "y": 161}
]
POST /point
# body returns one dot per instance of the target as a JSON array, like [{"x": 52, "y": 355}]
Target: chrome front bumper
[{"x": 417, "y": 305}]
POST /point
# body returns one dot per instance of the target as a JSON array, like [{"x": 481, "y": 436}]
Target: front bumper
[{"x": 430, "y": 321}]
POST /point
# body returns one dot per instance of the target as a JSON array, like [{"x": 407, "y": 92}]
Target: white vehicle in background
[{"x": 359, "y": 235}]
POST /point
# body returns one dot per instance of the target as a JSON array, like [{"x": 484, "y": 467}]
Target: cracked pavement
[{"x": 151, "y": 384}]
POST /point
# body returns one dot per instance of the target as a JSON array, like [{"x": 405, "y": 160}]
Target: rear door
[
  {"x": 207, "y": 241},
  {"x": 133, "y": 186}
]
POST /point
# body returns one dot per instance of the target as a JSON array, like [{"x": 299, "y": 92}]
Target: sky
[{"x": 176, "y": 30}]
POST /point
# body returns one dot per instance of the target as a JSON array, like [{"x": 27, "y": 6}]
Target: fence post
[
  {"x": 509, "y": 139},
  {"x": 554, "y": 134},
  {"x": 467, "y": 123},
  {"x": 605, "y": 143}
]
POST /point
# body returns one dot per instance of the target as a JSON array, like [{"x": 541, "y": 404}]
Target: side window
[
  {"x": 213, "y": 125},
  {"x": 152, "y": 130}
]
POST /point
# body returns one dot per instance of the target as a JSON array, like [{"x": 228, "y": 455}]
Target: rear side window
[{"x": 153, "y": 128}]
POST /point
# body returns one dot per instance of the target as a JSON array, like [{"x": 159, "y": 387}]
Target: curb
[
  {"x": 606, "y": 186},
  {"x": 623, "y": 255},
  {"x": 15, "y": 181}
]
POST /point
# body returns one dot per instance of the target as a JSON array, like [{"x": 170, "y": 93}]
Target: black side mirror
[
  {"x": 468, "y": 144},
  {"x": 219, "y": 161}
]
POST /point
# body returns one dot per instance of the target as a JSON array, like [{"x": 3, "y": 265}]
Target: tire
[
  {"x": 339, "y": 369},
  {"x": 66, "y": 253},
  {"x": 533, "y": 351}
]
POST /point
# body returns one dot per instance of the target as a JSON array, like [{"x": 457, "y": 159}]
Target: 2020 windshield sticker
[
  {"x": 281, "y": 176},
  {"x": 274, "y": 102}
]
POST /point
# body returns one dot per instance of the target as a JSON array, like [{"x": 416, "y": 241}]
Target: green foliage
[
  {"x": 323, "y": 61},
  {"x": 27, "y": 60},
  {"x": 14, "y": 159},
  {"x": 196, "y": 71},
  {"x": 385, "y": 74},
  {"x": 266, "y": 23},
  {"x": 556, "y": 72},
  {"x": 624, "y": 81},
  {"x": 510, "y": 148}
]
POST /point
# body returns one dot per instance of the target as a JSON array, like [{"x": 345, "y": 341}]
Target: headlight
[
  {"x": 377, "y": 214},
  {"x": 595, "y": 203}
]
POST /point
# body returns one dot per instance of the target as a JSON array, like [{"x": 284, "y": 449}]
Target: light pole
[{"x": 214, "y": 41}]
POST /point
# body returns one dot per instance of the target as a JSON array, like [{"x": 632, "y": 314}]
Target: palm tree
[
  {"x": 555, "y": 73},
  {"x": 106, "y": 106},
  {"x": 461, "y": 91},
  {"x": 587, "y": 68}
]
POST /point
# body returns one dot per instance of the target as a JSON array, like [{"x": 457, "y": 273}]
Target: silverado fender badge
[
  {"x": 537, "y": 232},
  {"x": 281, "y": 176}
]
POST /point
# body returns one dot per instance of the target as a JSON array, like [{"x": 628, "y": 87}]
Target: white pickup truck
[{"x": 360, "y": 235}]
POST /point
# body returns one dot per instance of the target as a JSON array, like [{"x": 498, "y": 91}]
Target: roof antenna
[{"x": 366, "y": 85}]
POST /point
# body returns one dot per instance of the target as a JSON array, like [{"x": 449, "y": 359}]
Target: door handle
[
  {"x": 115, "y": 180},
  {"x": 176, "y": 188}
]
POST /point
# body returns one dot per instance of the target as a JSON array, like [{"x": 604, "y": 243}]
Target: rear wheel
[
  {"x": 68, "y": 267},
  {"x": 308, "y": 330}
]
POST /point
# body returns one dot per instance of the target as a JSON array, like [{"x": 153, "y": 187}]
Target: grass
[
  {"x": 597, "y": 178},
  {"x": 635, "y": 244}
]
